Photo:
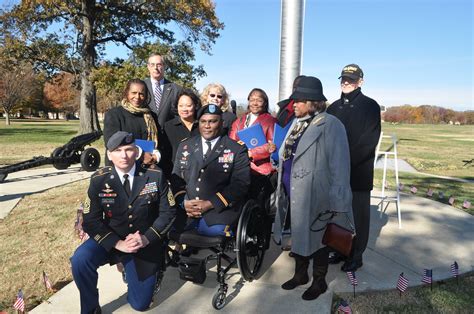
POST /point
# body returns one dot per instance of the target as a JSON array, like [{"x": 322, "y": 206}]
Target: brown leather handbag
[{"x": 336, "y": 237}]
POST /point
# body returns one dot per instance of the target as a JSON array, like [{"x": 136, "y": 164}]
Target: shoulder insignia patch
[
  {"x": 171, "y": 200},
  {"x": 241, "y": 142},
  {"x": 87, "y": 206}
]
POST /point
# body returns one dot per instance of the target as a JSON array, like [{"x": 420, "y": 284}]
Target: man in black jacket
[
  {"x": 361, "y": 118},
  {"x": 131, "y": 210}
]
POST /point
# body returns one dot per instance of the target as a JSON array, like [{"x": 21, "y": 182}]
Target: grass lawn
[
  {"x": 435, "y": 149},
  {"x": 25, "y": 139},
  {"x": 38, "y": 235},
  {"x": 448, "y": 296}
]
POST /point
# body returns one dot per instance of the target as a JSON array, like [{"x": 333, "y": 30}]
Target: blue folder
[
  {"x": 253, "y": 136},
  {"x": 279, "y": 134},
  {"x": 146, "y": 146}
]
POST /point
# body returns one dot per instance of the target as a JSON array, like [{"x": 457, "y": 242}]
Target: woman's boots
[
  {"x": 320, "y": 269},
  {"x": 301, "y": 273}
]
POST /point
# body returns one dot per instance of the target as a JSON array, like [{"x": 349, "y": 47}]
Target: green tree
[{"x": 30, "y": 29}]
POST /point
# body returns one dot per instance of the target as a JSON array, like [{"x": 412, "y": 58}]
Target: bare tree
[{"x": 16, "y": 86}]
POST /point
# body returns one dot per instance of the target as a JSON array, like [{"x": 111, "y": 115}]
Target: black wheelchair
[{"x": 250, "y": 241}]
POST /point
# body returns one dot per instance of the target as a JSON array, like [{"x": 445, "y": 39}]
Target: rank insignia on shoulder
[
  {"x": 185, "y": 153},
  {"x": 87, "y": 206},
  {"x": 171, "y": 200}
]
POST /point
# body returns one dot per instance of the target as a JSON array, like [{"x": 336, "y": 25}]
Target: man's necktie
[
  {"x": 157, "y": 93},
  {"x": 209, "y": 148},
  {"x": 126, "y": 185}
]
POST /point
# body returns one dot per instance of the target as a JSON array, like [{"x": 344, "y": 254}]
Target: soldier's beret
[
  {"x": 209, "y": 109},
  {"x": 120, "y": 138}
]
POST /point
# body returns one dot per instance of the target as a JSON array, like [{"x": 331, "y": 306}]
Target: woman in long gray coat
[{"x": 313, "y": 177}]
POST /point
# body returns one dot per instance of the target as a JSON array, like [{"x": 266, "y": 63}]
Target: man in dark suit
[
  {"x": 163, "y": 94},
  {"x": 131, "y": 210},
  {"x": 211, "y": 176},
  {"x": 361, "y": 118}
]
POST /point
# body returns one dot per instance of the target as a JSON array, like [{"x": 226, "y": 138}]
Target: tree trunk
[
  {"x": 89, "y": 120},
  {"x": 7, "y": 118}
]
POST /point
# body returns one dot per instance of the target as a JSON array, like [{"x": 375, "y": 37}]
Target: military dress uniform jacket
[
  {"x": 223, "y": 178},
  {"x": 112, "y": 215}
]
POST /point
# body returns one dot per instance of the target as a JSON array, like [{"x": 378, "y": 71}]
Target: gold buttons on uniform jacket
[
  {"x": 130, "y": 225},
  {"x": 199, "y": 179},
  {"x": 130, "y": 216},
  {"x": 202, "y": 170},
  {"x": 197, "y": 189},
  {"x": 129, "y": 206}
]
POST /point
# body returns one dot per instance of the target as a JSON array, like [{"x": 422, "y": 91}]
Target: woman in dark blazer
[{"x": 183, "y": 125}]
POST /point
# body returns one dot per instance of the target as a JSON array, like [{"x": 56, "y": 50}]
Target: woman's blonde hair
[{"x": 205, "y": 93}]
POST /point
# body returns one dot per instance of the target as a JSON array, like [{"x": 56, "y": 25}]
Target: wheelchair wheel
[
  {"x": 218, "y": 300},
  {"x": 251, "y": 238}
]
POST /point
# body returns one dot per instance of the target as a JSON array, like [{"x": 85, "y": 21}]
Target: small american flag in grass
[
  {"x": 413, "y": 189},
  {"x": 429, "y": 192},
  {"x": 352, "y": 278},
  {"x": 20, "y": 302},
  {"x": 455, "y": 269},
  {"x": 427, "y": 276},
  {"x": 402, "y": 283},
  {"x": 344, "y": 307}
]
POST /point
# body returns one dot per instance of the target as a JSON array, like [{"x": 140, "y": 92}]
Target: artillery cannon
[{"x": 62, "y": 157}]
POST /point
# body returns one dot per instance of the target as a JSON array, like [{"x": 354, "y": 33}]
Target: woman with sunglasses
[
  {"x": 261, "y": 167},
  {"x": 215, "y": 93}
]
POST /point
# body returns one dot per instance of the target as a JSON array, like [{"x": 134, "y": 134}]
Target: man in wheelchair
[
  {"x": 131, "y": 211},
  {"x": 210, "y": 177}
]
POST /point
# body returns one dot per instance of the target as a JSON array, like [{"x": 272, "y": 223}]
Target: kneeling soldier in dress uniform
[
  {"x": 131, "y": 210},
  {"x": 211, "y": 176}
]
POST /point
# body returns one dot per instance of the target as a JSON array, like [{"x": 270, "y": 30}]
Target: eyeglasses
[
  {"x": 160, "y": 65},
  {"x": 214, "y": 95}
]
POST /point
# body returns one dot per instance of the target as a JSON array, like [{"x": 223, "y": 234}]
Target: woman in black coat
[
  {"x": 183, "y": 125},
  {"x": 134, "y": 116}
]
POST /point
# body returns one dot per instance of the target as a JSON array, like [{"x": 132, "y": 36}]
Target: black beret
[
  {"x": 209, "y": 109},
  {"x": 120, "y": 138}
]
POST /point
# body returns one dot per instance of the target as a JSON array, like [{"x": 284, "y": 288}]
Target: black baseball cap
[
  {"x": 120, "y": 138},
  {"x": 308, "y": 88},
  {"x": 352, "y": 71}
]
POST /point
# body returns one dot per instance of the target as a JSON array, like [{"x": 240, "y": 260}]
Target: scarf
[
  {"x": 151, "y": 128},
  {"x": 295, "y": 134}
]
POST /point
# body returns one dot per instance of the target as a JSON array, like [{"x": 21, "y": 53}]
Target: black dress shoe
[
  {"x": 336, "y": 258},
  {"x": 351, "y": 265}
]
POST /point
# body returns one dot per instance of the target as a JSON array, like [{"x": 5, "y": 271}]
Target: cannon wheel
[
  {"x": 60, "y": 165},
  {"x": 90, "y": 159}
]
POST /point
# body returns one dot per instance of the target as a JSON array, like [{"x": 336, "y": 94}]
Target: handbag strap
[{"x": 333, "y": 214}]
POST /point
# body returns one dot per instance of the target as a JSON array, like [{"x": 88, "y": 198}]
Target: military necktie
[
  {"x": 209, "y": 148},
  {"x": 126, "y": 185}
]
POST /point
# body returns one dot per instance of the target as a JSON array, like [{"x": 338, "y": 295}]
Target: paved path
[
  {"x": 433, "y": 236},
  {"x": 21, "y": 183}
]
